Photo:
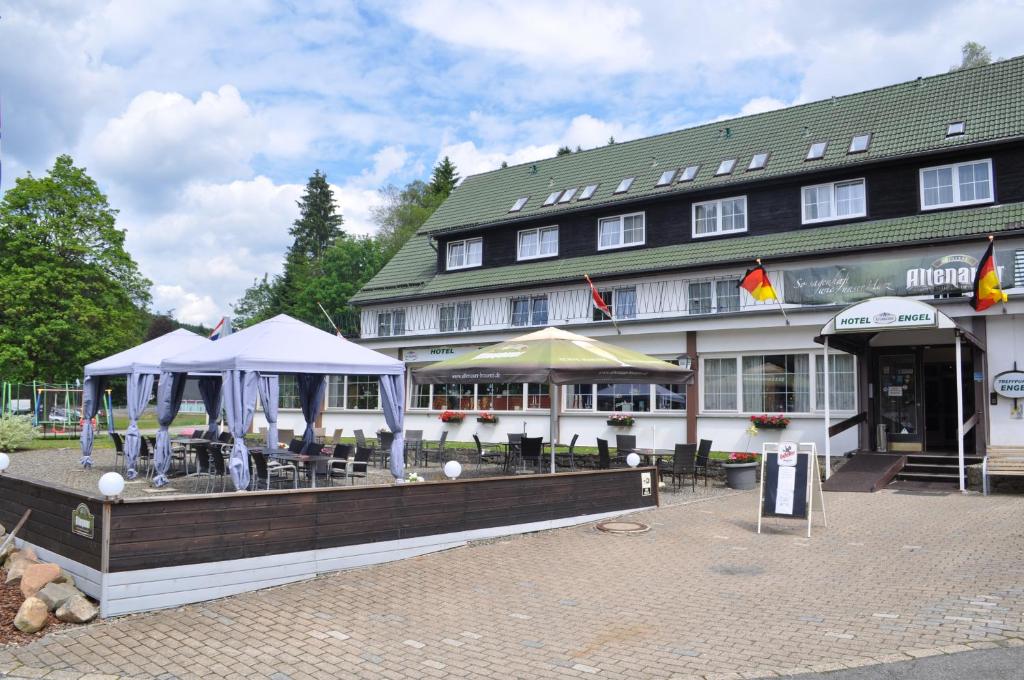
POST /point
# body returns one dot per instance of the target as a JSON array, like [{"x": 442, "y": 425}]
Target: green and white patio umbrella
[{"x": 554, "y": 357}]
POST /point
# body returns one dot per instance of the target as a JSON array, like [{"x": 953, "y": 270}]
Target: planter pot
[
  {"x": 741, "y": 476},
  {"x": 616, "y": 424},
  {"x": 771, "y": 427},
  {"x": 487, "y": 422}
]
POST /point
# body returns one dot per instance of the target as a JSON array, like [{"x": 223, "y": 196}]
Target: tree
[
  {"x": 563, "y": 151},
  {"x": 160, "y": 324},
  {"x": 348, "y": 265},
  {"x": 444, "y": 178},
  {"x": 611, "y": 140},
  {"x": 69, "y": 291},
  {"x": 401, "y": 213},
  {"x": 973, "y": 54},
  {"x": 255, "y": 305}
]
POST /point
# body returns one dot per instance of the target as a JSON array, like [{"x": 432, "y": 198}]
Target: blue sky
[{"x": 202, "y": 120}]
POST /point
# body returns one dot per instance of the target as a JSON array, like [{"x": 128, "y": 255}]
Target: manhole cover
[{"x": 623, "y": 527}]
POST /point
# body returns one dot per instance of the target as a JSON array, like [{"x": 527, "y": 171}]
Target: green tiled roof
[
  {"x": 412, "y": 276},
  {"x": 904, "y": 119}
]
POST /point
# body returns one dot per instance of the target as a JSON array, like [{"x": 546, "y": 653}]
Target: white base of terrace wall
[
  {"x": 87, "y": 579},
  {"x": 148, "y": 589}
]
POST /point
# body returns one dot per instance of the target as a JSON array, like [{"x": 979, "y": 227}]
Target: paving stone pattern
[{"x": 896, "y": 576}]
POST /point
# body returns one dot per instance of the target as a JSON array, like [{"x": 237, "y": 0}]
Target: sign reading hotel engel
[
  {"x": 1009, "y": 384},
  {"x": 885, "y": 313}
]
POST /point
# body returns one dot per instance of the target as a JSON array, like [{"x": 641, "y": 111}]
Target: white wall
[{"x": 1005, "y": 339}]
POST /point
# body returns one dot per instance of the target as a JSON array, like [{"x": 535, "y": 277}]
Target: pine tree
[
  {"x": 563, "y": 151},
  {"x": 443, "y": 179}
]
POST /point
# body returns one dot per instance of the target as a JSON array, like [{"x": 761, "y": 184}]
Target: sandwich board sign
[{"x": 788, "y": 474}]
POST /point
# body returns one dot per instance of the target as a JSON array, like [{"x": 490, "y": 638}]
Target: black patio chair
[
  {"x": 530, "y": 450},
  {"x": 383, "y": 451},
  {"x": 703, "y": 459},
  {"x": 624, "y": 443},
  {"x": 605, "y": 461},
  {"x": 438, "y": 451},
  {"x": 360, "y": 465},
  {"x": 414, "y": 444},
  {"x": 118, "y": 448},
  {"x": 338, "y": 467},
  {"x": 683, "y": 463},
  {"x": 486, "y": 455},
  {"x": 514, "y": 438},
  {"x": 264, "y": 471},
  {"x": 568, "y": 460}
]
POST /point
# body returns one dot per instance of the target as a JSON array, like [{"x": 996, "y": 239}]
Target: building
[{"x": 889, "y": 192}]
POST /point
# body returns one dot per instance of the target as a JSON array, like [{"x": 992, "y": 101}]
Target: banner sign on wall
[{"x": 900, "y": 276}]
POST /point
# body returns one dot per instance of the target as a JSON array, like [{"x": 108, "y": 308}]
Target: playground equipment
[{"x": 54, "y": 408}]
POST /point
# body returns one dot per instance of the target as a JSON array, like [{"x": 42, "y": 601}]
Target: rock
[
  {"x": 32, "y": 616},
  {"x": 77, "y": 610},
  {"x": 56, "y": 594},
  {"x": 36, "y": 576},
  {"x": 65, "y": 577},
  {"x": 15, "y": 567},
  {"x": 29, "y": 554},
  {"x": 6, "y": 551}
]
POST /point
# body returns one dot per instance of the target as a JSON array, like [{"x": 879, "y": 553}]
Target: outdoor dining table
[
  {"x": 650, "y": 456},
  {"x": 311, "y": 461},
  {"x": 507, "y": 449},
  {"x": 189, "y": 443}
]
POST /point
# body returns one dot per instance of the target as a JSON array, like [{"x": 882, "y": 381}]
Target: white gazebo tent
[
  {"x": 250, "y": 361},
  {"x": 895, "y": 321},
  {"x": 140, "y": 364}
]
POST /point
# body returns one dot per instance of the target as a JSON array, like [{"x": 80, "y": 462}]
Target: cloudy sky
[{"x": 202, "y": 120}]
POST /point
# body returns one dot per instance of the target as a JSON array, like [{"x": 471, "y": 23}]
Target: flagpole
[
  {"x": 777, "y": 300},
  {"x": 995, "y": 265},
  {"x": 329, "y": 319},
  {"x": 593, "y": 291}
]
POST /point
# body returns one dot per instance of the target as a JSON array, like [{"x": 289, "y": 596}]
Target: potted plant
[
  {"x": 621, "y": 420},
  {"x": 741, "y": 470},
  {"x": 449, "y": 416},
  {"x": 770, "y": 422},
  {"x": 487, "y": 418},
  {"x": 413, "y": 478}
]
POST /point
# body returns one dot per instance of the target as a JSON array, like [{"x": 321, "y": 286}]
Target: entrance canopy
[{"x": 891, "y": 321}]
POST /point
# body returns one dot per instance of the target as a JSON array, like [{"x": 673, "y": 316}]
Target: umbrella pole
[{"x": 553, "y": 396}]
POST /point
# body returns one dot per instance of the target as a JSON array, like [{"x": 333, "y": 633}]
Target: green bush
[{"x": 16, "y": 432}]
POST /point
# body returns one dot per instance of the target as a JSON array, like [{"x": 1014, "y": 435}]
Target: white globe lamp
[
  {"x": 632, "y": 460},
  {"x": 452, "y": 469},
  {"x": 5, "y": 462},
  {"x": 111, "y": 485}
]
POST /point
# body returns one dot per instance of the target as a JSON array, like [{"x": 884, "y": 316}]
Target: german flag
[
  {"x": 987, "y": 291},
  {"x": 756, "y": 282}
]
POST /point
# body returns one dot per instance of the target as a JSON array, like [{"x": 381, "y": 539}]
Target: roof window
[
  {"x": 567, "y": 196},
  {"x": 518, "y": 205},
  {"x": 688, "y": 173},
  {"x": 552, "y": 197},
  {"x": 758, "y": 161},
  {"x": 587, "y": 192},
  {"x": 666, "y": 177},
  {"x": 956, "y": 128},
  {"x": 859, "y": 143},
  {"x": 816, "y": 151},
  {"x": 726, "y": 166},
  {"x": 624, "y": 185}
]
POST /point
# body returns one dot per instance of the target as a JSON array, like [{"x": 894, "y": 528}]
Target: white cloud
[
  {"x": 188, "y": 306},
  {"x": 761, "y": 105}
]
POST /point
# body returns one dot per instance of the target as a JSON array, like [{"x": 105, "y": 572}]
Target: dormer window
[
  {"x": 518, "y": 205},
  {"x": 567, "y": 195},
  {"x": 552, "y": 197},
  {"x": 859, "y": 143},
  {"x": 688, "y": 173},
  {"x": 816, "y": 151},
  {"x": 758, "y": 161},
  {"x": 726, "y": 166},
  {"x": 666, "y": 178},
  {"x": 624, "y": 185},
  {"x": 956, "y": 128},
  {"x": 587, "y": 192},
  {"x": 465, "y": 253}
]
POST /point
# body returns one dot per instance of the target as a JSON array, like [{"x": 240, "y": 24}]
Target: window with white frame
[
  {"x": 456, "y": 317},
  {"x": 859, "y": 143},
  {"x": 724, "y": 216},
  {"x": 465, "y": 253},
  {"x": 842, "y": 383},
  {"x": 699, "y": 299},
  {"x": 727, "y": 296},
  {"x": 538, "y": 396},
  {"x": 634, "y": 398},
  {"x": 499, "y": 396},
  {"x": 620, "y": 231},
  {"x": 776, "y": 383},
  {"x": 958, "y": 184},
  {"x": 726, "y": 166},
  {"x": 579, "y": 397},
  {"x": 834, "y": 201},
  {"x": 758, "y": 161},
  {"x": 670, "y": 397},
  {"x": 552, "y": 198},
  {"x": 720, "y": 384},
  {"x": 816, "y": 151},
  {"x": 482, "y": 397},
  {"x": 666, "y": 177},
  {"x": 624, "y": 185},
  {"x": 362, "y": 392},
  {"x": 689, "y": 173},
  {"x": 419, "y": 397},
  {"x": 956, "y": 128},
  {"x": 567, "y": 195},
  {"x": 622, "y": 302},
  {"x": 288, "y": 391},
  {"x": 539, "y": 242},
  {"x": 530, "y": 311},
  {"x": 587, "y": 192},
  {"x": 391, "y": 323},
  {"x": 454, "y": 396},
  {"x": 518, "y": 205},
  {"x": 623, "y": 397}
]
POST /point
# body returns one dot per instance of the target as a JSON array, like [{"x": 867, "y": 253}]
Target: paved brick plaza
[{"x": 897, "y": 575}]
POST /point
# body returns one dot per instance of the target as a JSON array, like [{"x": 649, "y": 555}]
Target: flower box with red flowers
[
  {"x": 740, "y": 458},
  {"x": 770, "y": 422},
  {"x": 487, "y": 418},
  {"x": 452, "y": 416},
  {"x": 621, "y": 421}
]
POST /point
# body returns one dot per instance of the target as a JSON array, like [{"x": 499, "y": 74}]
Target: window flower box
[
  {"x": 621, "y": 421},
  {"x": 452, "y": 416},
  {"x": 487, "y": 418},
  {"x": 770, "y": 422}
]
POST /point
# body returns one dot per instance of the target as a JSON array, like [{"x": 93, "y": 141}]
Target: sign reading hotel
[
  {"x": 1009, "y": 384},
  {"x": 435, "y": 353},
  {"x": 885, "y": 313},
  {"x": 901, "y": 276}
]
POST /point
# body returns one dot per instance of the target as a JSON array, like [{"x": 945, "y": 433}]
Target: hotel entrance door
[{"x": 899, "y": 405}]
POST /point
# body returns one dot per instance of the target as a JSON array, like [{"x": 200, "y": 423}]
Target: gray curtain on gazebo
[
  {"x": 392, "y": 392},
  {"x": 211, "y": 389},
  {"x": 312, "y": 387},
  {"x": 168, "y": 400},
  {"x": 92, "y": 397},
  {"x": 240, "y": 389},
  {"x": 140, "y": 390},
  {"x": 270, "y": 395}
]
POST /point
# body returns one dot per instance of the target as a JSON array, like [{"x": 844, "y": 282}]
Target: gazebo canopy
[
  {"x": 146, "y": 358},
  {"x": 553, "y": 356},
  {"x": 284, "y": 345}
]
